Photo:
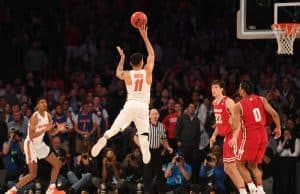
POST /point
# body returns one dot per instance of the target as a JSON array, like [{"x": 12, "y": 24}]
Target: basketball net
[{"x": 285, "y": 34}]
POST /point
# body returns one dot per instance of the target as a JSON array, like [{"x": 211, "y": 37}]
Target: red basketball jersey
[
  {"x": 222, "y": 117},
  {"x": 253, "y": 112}
]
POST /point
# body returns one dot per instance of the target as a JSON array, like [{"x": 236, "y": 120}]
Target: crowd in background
[{"x": 66, "y": 51}]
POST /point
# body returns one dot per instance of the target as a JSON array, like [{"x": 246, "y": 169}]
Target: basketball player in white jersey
[
  {"x": 138, "y": 83},
  {"x": 35, "y": 148}
]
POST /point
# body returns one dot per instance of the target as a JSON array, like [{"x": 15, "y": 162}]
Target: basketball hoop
[{"x": 285, "y": 34}]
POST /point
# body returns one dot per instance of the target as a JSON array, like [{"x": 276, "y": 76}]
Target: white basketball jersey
[
  {"x": 43, "y": 121},
  {"x": 139, "y": 90}
]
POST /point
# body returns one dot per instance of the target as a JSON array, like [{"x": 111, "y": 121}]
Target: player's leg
[
  {"x": 32, "y": 167},
  {"x": 56, "y": 165},
  {"x": 257, "y": 174},
  {"x": 232, "y": 171},
  {"x": 230, "y": 156},
  {"x": 246, "y": 176},
  {"x": 121, "y": 122},
  {"x": 31, "y": 160},
  {"x": 253, "y": 166},
  {"x": 141, "y": 122}
]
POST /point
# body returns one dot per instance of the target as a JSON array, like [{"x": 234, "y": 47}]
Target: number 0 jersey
[
  {"x": 253, "y": 112},
  {"x": 222, "y": 117},
  {"x": 139, "y": 90}
]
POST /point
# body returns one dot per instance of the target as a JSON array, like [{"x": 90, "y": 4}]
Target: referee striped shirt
[{"x": 156, "y": 135}]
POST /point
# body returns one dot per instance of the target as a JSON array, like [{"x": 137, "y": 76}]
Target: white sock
[
  {"x": 251, "y": 187},
  {"x": 52, "y": 185},
  {"x": 242, "y": 191},
  {"x": 14, "y": 188},
  {"x": 260, "y": 188}
]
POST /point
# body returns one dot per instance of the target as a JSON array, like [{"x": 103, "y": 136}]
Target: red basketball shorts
[
  {"x": 255, "y": 145},
  {"x": 232, "y": 154}
]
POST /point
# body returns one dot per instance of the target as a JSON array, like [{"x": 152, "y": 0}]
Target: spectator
[
  {"x": 111, "y": 173},
  {"x": 102, "y": 115},
  {"x": 7, "y": 113},
  {"x": 168, "y": 109},
  {"x": 204, "y": 138},
  {"x": 62, "y": 156},
  {"x": 35, "y": 59},
  {"x": 87, "y": 53},
  {"x": 3, "y": 135},
  {"x": 177, "y": 174},
  {"x": 19, "y": 123},
  {"x": 133, "y": 170},
  {"x": 170, "y": 123},
  {"x": 81, "y": 177},
  {"x": 212, "y": 173},
  {"x": 187, "y": 134},
  {"x": 286, "y": 89},
  {"x": 14, "y": 158},
  {"x": 85, "y": 126},
  {"x": 289, "y": 145},
  {"x": 60, "y": 117}
]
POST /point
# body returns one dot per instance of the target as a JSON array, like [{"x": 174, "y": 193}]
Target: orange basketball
[{"x": 138, "y": 19}]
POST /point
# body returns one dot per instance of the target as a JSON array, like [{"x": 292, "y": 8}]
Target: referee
[{"x": 157, "y": 137}]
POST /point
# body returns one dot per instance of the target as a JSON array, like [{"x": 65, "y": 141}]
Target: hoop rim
[{"x": 289, "y": 28}]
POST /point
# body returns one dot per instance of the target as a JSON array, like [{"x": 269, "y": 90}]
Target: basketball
[{"x": 138, "y": 19}]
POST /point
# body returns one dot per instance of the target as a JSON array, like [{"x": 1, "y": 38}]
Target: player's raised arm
[
  {"x": 275, "y": 117},
  {"x": 120, "y": 71},
  {"x": 150, "y": 59}
]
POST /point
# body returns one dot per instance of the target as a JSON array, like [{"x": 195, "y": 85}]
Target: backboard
[{"x": 255, "y": 17}]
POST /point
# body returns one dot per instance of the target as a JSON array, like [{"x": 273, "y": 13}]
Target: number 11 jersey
[{"x": 139, "y": 90}]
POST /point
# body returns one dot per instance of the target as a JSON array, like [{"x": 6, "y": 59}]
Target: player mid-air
[{"x": 138, "y": 83}]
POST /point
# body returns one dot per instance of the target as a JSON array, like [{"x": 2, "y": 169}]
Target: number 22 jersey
[{"x": 222, "y": 117}]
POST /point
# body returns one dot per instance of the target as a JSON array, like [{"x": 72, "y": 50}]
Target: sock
[
  {"x": 14, "y": 188},
  {"x": 52, "y": 185},
  {"x": 251, "y": 187},
  {"x": 242, "y": 190}
]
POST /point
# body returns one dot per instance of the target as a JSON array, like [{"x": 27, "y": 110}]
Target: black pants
[{"x": 152, "y": 169}]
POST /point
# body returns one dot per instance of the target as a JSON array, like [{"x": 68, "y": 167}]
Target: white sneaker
[
  {"x": 11, "y": 191},
  {"x": 253, "y": 191},
  {"x": 96, "y": 149}
]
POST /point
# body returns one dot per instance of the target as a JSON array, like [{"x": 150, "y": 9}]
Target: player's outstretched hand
[
  {"x": 277, "y": 133},
  {"x": 143, "y": 31},
  {"x": 121, "y": 52}
]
